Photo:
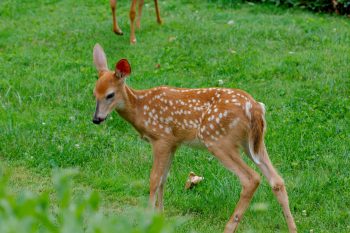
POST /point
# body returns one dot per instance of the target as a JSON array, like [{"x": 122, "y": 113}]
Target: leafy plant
[{"x": 26, "y": 212}]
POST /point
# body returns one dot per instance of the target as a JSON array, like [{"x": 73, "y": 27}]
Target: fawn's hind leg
[
  {"x": 277, "y": 184},
  {"x": 249, "y": 179}
]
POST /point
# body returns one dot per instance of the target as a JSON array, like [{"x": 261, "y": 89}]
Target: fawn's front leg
[{"x": 162, "y": 156}]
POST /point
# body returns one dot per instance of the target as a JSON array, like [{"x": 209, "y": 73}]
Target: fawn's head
[{"x": 109, "y": 87}]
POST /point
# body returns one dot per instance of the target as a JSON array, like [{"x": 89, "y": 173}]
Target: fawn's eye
[{"x": 110, "y": 96}]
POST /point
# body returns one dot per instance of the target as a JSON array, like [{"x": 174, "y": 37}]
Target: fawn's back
[{"x": 195, "y": 115}]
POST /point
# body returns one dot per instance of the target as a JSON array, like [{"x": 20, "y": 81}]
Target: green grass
[{"x": 296, "y": 62}]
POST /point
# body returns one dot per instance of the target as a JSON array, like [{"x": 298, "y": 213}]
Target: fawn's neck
[{"x": 128, "y": 108}]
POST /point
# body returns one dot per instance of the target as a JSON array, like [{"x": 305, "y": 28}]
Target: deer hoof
[
  {"x": 132, "y": 41},
  {"x": 118, "y": 32}
]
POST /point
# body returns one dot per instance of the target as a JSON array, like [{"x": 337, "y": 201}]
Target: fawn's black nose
[{"x": 97, "y": 120}]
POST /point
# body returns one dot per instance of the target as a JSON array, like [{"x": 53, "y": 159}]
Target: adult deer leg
[
  {"x": 138, "y": 21},
  {"x": 249, "y": 179},
  {"x": 162, "y": 157},
  {"x": 116, "y": 28},
  {"x": 132, "y": 20},
  {"x": 159, "y": 20}
]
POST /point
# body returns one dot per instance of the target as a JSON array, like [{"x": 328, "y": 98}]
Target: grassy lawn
[{"x": 296, "y": 62}]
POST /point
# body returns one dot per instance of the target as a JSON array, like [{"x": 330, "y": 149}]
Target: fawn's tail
[{"x": 257, "y": 132}]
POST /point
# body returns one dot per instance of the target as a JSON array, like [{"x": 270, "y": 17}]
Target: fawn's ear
[
  {"x": 100, "y": 59},
  {"x": 122, "y": 68}
]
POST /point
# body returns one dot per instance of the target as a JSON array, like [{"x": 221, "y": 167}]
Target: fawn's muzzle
[
  {"x": 97, "y": 116},
  {"x": 97, "y": 120}
]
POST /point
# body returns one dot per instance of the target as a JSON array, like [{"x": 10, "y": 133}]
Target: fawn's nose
[{"x": 97, "y": 120}]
